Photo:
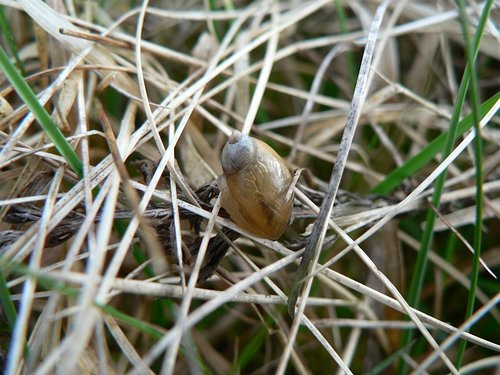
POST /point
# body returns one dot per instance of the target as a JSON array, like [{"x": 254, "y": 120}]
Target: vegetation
[{"x": 115, "y": 253}]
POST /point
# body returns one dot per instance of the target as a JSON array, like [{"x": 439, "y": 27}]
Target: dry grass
[{"x": 349, "y": 91}]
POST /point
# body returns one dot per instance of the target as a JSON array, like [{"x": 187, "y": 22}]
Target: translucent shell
[{"x": 254, "y": 186}]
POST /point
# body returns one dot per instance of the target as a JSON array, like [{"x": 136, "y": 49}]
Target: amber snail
[{"x": 255, "y": 186}]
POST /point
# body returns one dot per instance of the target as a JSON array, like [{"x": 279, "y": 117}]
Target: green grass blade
[
  {"x": 9, "y": 39},
  {"x": 383, "y": 366},
  {"x": 214, "y": 25},
  {"x": 44, "y": 119},
  {"x": 131, "y": 321},
  {"x": 445, "y": 140},
  {"x": 349, "y": 56},
  {"x": 248, "y": 353},
  {"x": 451, "y": 136},
  {"x": 7, "y": 304},
  {"x": 478, "y": 157},
  {"x": 420, "y": 160},
  {"x": 145, "y": 328}
]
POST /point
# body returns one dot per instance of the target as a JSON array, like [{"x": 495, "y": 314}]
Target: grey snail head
[{"x": 238, "y": 153}]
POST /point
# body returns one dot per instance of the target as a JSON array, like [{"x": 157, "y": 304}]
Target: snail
[{"x": 256, "y": 186}]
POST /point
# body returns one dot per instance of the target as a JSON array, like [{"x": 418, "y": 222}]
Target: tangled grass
[{"x": 112, "y": 118}]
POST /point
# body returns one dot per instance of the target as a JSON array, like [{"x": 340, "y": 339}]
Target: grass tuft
[{"x": 126, "y": 262}]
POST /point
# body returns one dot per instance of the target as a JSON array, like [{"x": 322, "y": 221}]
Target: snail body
[{"x": 255, "y": 186}]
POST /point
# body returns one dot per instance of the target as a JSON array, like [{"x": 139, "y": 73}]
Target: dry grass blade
[
  {"x": 264, "y": 73},
  {"x": 171, "y": 354},
  {"x": 453, "y": 338},
  {"x": 30, "y": 286},
  {"x": 315, "y": 243},
  {"x": 213, "y": 304},
  {"x": 52, "y": 21}
]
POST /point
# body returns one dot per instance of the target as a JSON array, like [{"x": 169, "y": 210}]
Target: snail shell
[{"x": 254, "y": 186}]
